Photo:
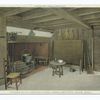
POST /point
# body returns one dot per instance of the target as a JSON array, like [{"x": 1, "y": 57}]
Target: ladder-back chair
[{"x": 10, "y": 76}]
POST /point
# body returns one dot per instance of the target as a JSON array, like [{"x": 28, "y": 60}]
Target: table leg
[
  {"x": 61, "y": 70},
  {"x": 6, "y": 84},
  {"x": 53, "y": 72},
  {"x": 20, "y": 79},
  {"x": 16, "y": 84},
  {"x": 11, "y": 81}
]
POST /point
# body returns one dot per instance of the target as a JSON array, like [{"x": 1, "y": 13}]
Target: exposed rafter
[
  {"x": 58, "y": 25},
  {"x": 16, "y": 11},
  {"x": 72, "y": 9},
  {"x": 94, "y": 21},
  {"x": 53, "y": 23},
  {"x": 14, "y": 18},
  {"x": 51, "y": 17},
  {"x": 87, "y": 11},
  {"x": 33, "y": 10},
  {"x": 45, "y": 19},
  {"x": 68, "y": 16},
  {"x": 91, "y": 17},
  {"x": 97, "y": 27},
  {"x": 36, "y": 15},
  {"x": 95, "y": 24},
  {"x": 63, "y": 25},
  {"x": 28, "y": 26},
  {"x": 20, "y": 24},
  {"x": 16, "y": 21}
]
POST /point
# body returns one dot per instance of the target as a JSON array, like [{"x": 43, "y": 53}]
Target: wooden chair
[{"x": 11, "y": 77}]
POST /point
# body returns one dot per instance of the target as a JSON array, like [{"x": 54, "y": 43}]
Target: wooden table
[
  {"x": 57, "y": 67},
  {"x": 41, "y": 60}
]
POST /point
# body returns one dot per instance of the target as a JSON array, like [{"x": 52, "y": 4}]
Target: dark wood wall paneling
[
  {"x": 69, "y": 50},
  {"x": 97, "y": 53},
  {"x": 97, "y": 50},
  {"x": 76, "y": 34},
  {"x": 36, "y": 49}
]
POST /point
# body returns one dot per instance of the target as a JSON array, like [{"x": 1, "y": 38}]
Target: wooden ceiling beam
[
  {"x": 36, "y": 15},
  {"x": 53, "y": 22},
  {"x": 69, "y": 16},
  {"x": 91, "y": 17},
  {"x": 16, "y": 21},
  {"x": 94, "y": 21},
  {"x": 20, "y": 24},
  {"x": 72, "y": 9},
  {"x": 97, "y": 27},
  {"x": 64, "y": 26},
  {"x": 95, "y": 24},
  {"x": 16, "y": 11},
  {"x": 33, "y": 10},
  {"x": 87, "y": 11},
  {"x": 28, "y": 26},
  {"x": 45, "y": 19},
  {"x": 55, "y": 25}
]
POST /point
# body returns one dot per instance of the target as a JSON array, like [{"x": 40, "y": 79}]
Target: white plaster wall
[{"x": 22, "y": 31}]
